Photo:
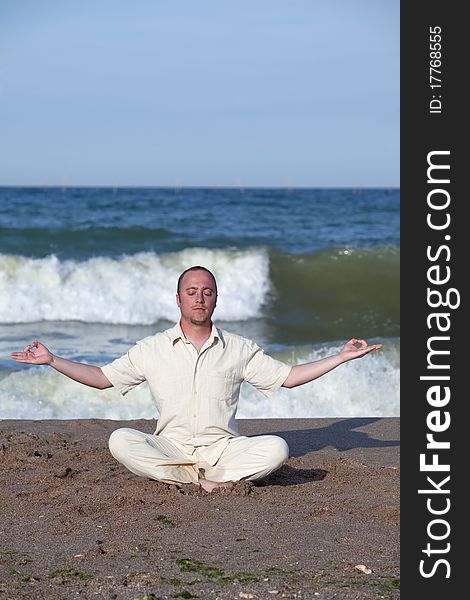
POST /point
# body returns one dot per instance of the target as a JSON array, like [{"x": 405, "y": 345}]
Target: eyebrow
[{"x": 195, "y": 287}]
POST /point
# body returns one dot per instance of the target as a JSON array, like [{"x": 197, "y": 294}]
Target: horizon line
[{"x": 192, "y": 187}]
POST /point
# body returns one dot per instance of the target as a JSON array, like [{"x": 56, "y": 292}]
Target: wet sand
[{"x": 75, "y": 524}]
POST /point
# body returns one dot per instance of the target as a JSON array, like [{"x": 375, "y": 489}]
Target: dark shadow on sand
[
  {"x": 287, "y": 475},
  {"x": 341, "y": 435}
]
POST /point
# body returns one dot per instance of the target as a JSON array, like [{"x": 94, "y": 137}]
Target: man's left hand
[{"x": 356, "y": 349}]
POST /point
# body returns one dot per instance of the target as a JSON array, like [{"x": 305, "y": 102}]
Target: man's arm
[
  {"x": 307, "y": 372},
  {"x": 37, "y": 354}
]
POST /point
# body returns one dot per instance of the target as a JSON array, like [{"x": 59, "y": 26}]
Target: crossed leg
[
  {"x": 246, "y": 458},
  {"x": 156, "y": 457},
  {"x": 152, "y": 456}
]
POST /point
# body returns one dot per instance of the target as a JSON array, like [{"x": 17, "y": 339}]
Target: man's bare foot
[{"x": 212, "y": 485}]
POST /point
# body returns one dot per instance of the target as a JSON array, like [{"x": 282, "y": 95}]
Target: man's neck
[{"x": 196, "y": 334}]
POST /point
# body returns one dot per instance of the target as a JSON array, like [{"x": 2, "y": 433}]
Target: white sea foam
[
  {"x": 137, "y": 289},
  {"x": 42, "y": 393},
  {"x": 361, "y": 388}
]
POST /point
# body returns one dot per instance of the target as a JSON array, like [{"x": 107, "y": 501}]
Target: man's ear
[{"x": 178, "y": 301}]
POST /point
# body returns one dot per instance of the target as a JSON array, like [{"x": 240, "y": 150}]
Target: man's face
[{"x": 197, "y": 297}]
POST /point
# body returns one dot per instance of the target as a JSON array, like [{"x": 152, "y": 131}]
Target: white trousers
[{"x": 158, "y": 458}]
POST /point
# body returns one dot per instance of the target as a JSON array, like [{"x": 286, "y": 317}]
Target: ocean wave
[
  {"x": 319, "y": 296},
  {"x": 132, "y": 289},
  {"x": 352, "y": 292},
  {"x": 362, "y": 388}
]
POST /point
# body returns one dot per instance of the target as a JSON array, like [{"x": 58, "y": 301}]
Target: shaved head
[{"x": 190, "y": 270}]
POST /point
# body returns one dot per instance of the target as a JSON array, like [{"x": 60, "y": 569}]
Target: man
[{"x": 194, "y": 371}]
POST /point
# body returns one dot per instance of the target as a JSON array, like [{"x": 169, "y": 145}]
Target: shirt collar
[{"x": 176, "y": 333}]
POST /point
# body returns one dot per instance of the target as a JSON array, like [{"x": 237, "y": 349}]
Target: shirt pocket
[{"x": 222, "y": 387}]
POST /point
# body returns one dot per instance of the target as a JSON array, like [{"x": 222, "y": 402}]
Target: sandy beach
[{"x": 76, "y": 524}]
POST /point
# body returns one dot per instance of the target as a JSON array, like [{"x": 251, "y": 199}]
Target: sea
[{"x": 89, "y": 271}]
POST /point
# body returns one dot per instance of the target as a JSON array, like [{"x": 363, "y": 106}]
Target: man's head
[{"x": 196, "y": 295}]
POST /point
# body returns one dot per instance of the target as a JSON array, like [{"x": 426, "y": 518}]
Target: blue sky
[{"x": 246, "y": 93}]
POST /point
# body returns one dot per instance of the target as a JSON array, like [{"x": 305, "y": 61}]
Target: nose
[{"x": 200, "y": 297}]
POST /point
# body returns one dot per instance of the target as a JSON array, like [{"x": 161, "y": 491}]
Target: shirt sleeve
[
  {"x": 265, "y": 373},
  {"x": 128, "y": 371}
]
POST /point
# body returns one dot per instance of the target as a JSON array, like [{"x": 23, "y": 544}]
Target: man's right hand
[
  {"x": 37, "y": 354},
  {"x": 34, "y": 354}
]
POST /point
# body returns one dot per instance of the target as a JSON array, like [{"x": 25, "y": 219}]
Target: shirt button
[{"x": 194, "y": 416}]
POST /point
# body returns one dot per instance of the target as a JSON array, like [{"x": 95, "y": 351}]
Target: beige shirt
[{"x": 197, "y": 394}]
